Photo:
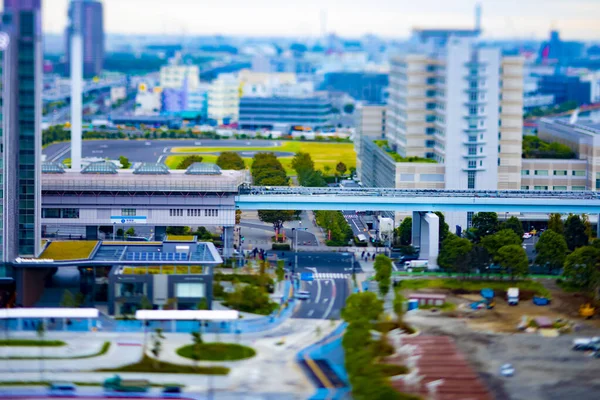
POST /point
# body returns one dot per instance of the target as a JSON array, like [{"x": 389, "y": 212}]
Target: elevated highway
[{"x": 383, "y": 199}]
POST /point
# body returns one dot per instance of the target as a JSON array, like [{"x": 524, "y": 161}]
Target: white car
[
  {"x": 526, "y": 235},
  {"x": 507, "y": 370},
  {"x": 302, "y": 294}
]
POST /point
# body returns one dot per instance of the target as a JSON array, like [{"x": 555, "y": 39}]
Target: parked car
[
  {"x": 586, "y": 344},
  {"x": 507, "y": 370},
  {"x": 63, "y": 389},
  {"x": 171, "y": 391}
]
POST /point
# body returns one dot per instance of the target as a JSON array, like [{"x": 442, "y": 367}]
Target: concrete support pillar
[
  {"x": 425, "y": 236},
  {"x": 227, "y": 241},
  {"x": 598, "y": 227}
]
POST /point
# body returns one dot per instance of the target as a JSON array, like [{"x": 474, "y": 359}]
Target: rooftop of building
[
  {"x": 383, "y": 144},
  {"x": 145, "y": 176},
  {"x": 170, "y": 252}
]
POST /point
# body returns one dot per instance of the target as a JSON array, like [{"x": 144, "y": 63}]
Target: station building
[{"x": 170, "y": 274}]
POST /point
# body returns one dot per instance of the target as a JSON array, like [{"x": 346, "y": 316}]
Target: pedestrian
[
  {"x": 363, "y": 254},
  {"x": 373, "y": 256}
]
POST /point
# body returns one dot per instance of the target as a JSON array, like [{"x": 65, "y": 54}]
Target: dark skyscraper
[
  {"x": 20, "y": 149},
  {"x": 87, "y": 15}
]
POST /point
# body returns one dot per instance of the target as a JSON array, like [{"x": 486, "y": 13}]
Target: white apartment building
[
  {"x": 148, "y": 101},
  {"x": 459, "y": 104},
  {"x": 370, "y": 122},
  {"x": 176, "y": 76},
  {"x": 224, "y": 98}
]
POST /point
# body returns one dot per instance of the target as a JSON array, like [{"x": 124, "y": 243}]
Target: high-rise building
[
  {"x": 455, "y": 103},
  {"x": 87, "y": 17},
  {"x": 20, "y": 149}
]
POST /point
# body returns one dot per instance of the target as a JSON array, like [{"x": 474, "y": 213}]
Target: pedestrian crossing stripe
[{"x": 331, "y": 275}]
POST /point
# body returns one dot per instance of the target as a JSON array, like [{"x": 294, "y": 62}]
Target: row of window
[
  {"x": 178, "y": 212},
  {"x": 544, "y": 172},
  {"x": 525, "y": 187},
  {"x": 69, "y": 213}
]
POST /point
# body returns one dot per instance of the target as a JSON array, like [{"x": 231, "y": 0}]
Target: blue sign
[
  {"x": 129, "y": 220},
  {"x": 307, "y": 276}
]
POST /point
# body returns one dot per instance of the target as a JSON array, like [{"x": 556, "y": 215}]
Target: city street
[{"x": 332, "y": 284}]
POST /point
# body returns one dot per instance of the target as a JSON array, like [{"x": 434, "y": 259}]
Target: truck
[
  {"x": 409, "y": 265},
  {"x": 117, "y": 384},
  {"x": 512, "y": 296}
]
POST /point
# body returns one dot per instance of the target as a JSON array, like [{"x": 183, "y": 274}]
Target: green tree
[
  {"x": 484, "y": 223},
  {"x": 444, "y": 229},
  {"x": 341, "y": 168},
  {"x": 79, "y": 299},
  {"x": 125, "y": 164},
  {"x": 582, "y": 266},
  {"x": 277, "y": 218},
  {"x": 156, "y": 349},
  {"x": 202, "y": 304},
  {"x": 575, "y": 232},
  {"x": 479, "y": 258},
  {"x": 513, "y": 224},
  {"x": 587, "y": 225},
  {"x": 555, "y": 223},
  {"x": 362, "y": 307},
  {"x": 130, "y": 232},
  {"x": 189, "y": 160},
  {"x": 398, "y": 306},
  {"x": 513, "y": 259},
  {"x": 145, "y": 303},
  {"x": 383, "y": 273},
  {"x": 505, "y": 237},
  {"x": 196, "y": 347},
  {"x": 280, "y": 271},
  {"x": 302, "y": 162},
  {"x": 453, "y": 255},
  {"x": 250, "y": 298},
  {"x": 349, "y": 108},
  {"x": 404, "y": 232},
  {"x": 230, "y": 160},
  {"x": 551, "y": 250},
  {"x": 68, "y": 300}
]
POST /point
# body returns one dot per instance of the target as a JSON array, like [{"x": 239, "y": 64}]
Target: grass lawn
[
  {"x": 473, "y": 285},
  {"x": 31, "y": 343},
  {"x": 187, "y": 238},
  {"x": 71, "y": 250},
  {"x": 149, "y": 365},
  {"x": 218, "y": 352},
  {"x": 102, "y": 351},
  {"x": 447, "y": 306},
  {"x": 322, "y": 154}
]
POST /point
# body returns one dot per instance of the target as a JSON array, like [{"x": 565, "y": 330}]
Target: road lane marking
[
  {"x": 330, "y": 307},
  {"x": 325, "y": 300},
  {"x": 310, "y": 313}
]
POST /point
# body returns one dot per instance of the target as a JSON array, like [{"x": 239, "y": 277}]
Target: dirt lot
[
  {"x": 546, "y": 368},
  {"x": 505, "y": 319}
]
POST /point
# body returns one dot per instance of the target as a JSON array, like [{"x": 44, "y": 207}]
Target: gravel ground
[{"x": 546, "y": 368}]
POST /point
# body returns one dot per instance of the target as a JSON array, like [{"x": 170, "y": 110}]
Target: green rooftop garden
[
  {"x": 71, "y": 250},
  {"x": 534, "y": 147},
  {"x": 164, "y": 270},
  {"x": 383, "y": 144}
]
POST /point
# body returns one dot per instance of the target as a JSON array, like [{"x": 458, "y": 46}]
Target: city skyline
[{"x": 575, "y": 19}]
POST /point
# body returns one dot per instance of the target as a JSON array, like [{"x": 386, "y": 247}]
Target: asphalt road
[
  {"x": 358, "y": 227},
  {"x": 331, "y": 286},
  {"x": 142, "y": 150}
]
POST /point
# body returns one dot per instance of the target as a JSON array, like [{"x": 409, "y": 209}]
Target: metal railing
[{"x": 388, "y": 192}]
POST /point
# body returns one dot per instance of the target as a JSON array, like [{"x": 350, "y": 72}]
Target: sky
[{"x": 528, "y": 19}]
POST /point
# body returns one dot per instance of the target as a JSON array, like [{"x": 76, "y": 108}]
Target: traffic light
[{"x": 243, "y": 239}]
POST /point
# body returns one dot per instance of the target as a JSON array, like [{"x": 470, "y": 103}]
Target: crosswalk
[{"x": 330, "y": 275}]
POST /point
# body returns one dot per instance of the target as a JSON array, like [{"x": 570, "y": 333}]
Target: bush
[
  {"x": 217, "y": 352},
  {"x": 250, "y": 299},
  {"x": 393, "y": 369},
  {"x": 218, "y": 291},
  {"x": 281, "y": 246}
]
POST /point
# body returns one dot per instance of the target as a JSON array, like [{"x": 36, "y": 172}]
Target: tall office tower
[
  {"x": 87, "y": 16},
  {"x": 459, "y": 104},
  {"x": 21, "y": 130}
]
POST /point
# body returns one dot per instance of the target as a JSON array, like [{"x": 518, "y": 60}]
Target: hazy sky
[{"x": 392, "y": 18}]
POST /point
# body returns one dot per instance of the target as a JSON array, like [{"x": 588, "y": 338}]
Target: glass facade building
[
  {"x": 88, "y": 15},
  {"x": 288, "y": 112},
  {"x": 20, "y": 149}
]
